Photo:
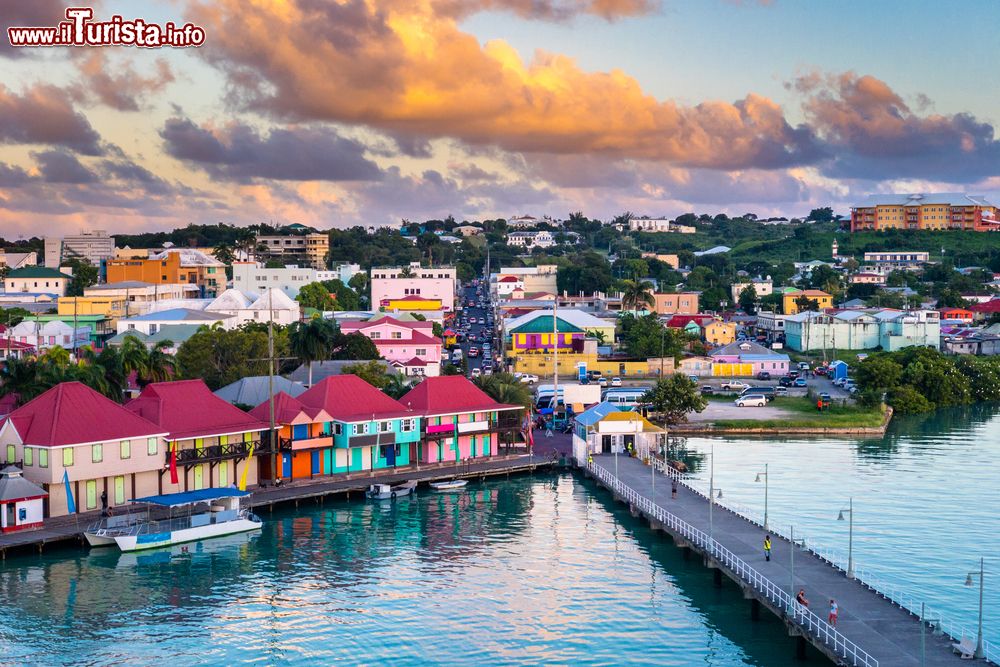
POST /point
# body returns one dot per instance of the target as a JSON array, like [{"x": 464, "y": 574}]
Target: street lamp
[
  {"x": 850, "y": 537},
  {"x": 767, "y": 479},
  {"x": 924, "y": 621},
  {"x": 968, "y": 582},
  {"x": 791, "y": 553}
]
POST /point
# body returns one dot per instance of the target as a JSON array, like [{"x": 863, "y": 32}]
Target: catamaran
[{"x": 212, "y": 512}]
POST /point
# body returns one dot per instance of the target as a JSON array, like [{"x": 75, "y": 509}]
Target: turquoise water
[
  {"x": 542, "y": 570},
  {"x": 926, "y": 501}
]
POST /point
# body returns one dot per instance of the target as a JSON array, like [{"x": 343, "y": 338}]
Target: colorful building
[
  {"x": 37, "y": 280},
  {"x": 208, "y": 441},
  {"x": 304, "y": 436},
  {"x": 460, "y": 421},
  {"x": 960, "y": 314},
  {"x": 370, "y": 430},
  {"x": 933, "y": 211},
  {"x": 410, "y": 346},
  {"x": 819, "y": 297},
  {"x": 863, "y": 330},
  {"x": 747, "y": 359},
  {"x": 172, "y": 266},
  {"x": 395, "y": 283},
  {"x": 533, "y": 332},
  {"x": 413, "y": 304},
  {"x": 718, "y": 332},
  {"x": 72, "y": 432},
  {"x": 675, "y": 303},
  {"x": 606, "y": 429}
]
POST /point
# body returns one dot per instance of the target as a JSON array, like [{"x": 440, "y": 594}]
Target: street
[{"x": 476, "y": 334}]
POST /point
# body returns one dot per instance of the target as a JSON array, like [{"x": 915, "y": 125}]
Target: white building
[
  {"x": 44, "y": 335},
  {"x": 762, "y": 286},
  {"x": 37, "y": 280},
  {"x": 390, "y": 284},
  {"x": 17, "y": 260},
  {"x": 94, "y": 246},
  {"x": 150, "y": 323},
  {"x": 522, "y": 221},
  {"x": 658, "y": 225},
  {"x": 252, "y": 277},
  {"x": 140, "y": 297},
  {"x": 271, "y": 305},
  {"x": 540, "y": 239}
]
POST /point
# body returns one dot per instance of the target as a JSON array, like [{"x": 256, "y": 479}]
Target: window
[
  {"x": 67, "y": 457},
  {"x": 384, "y": 427},
  {"x": 376, "y": 335},
  {"x": 151, "y": 446},
  {"x": 408, "y": 424},
  {"x": 28, "y": 456},
  {"x": 43, "y": 458},
  {"x": 360, "y": 429},
  {"x": 97, "y": 453},
  {"x": 126, "y": 449},
  {"x": 396, "y": 335},
  {"x": 11, "y": 453},
  {"x": 337, "y": 428}
]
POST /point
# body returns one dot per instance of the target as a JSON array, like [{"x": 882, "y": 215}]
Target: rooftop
[
  {"x": 187, "y": 409},
  {"x": 918, "y": 199},
  {"x": 349, "y": 398},
  {"x": 253, "y": 390},
  {"x": 181, "y": 315},
  {"x": 38, "y": 272},
  {"x": 450, "y": 394}
]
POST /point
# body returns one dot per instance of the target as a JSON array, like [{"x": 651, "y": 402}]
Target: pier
[
  {"x": 872, "y": 630},
  {"x": 69, "y": 529}
]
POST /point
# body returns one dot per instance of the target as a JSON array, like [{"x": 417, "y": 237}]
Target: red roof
[
  {"x": 418, "y": 336},
  {"x": 349, "y": 398},
  {"x": 286, "y": 409},
  {"x": 988, "y": 307},
  {"x": 188, "y": 409},
  {"x": 72, "y": 413},
  {"x": 385, "y": 319},
  {"x": 679, "y": 321},
  {"x": 509, "y": 279},
  {"x": 450, "y": 394}
]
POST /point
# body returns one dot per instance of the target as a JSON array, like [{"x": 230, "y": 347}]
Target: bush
[{"x": 906, "y": 400}]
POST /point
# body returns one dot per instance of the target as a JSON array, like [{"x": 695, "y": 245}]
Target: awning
[{"x": 191, "y": 497}]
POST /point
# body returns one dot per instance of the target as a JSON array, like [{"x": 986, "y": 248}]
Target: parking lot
[{"x": 718, "y": 410}]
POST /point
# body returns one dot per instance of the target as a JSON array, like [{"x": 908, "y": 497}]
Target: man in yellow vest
[{"x": 767, "y": 547}]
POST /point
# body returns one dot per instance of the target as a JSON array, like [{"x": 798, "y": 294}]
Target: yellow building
[
  {"x": 111, "y": 307},
  {"x": 821, "y": 298},
  {"x": 413, "y": 304},
  {"x": 720, "y": 333},
  {"x": 540, "y": 364},
  {"x": 934, "y": 211}
]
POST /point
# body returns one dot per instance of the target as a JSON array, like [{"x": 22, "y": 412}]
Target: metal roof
[{"x": 191, "y": 497}]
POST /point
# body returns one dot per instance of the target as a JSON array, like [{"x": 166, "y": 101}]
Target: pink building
[
  {"x": 408, "y": 345},
  {"x": 460, "y": 421},
  {"x": 395, "y": 284}
]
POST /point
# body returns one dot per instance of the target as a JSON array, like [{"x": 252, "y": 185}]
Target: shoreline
[{"x": 709, "y": 428}]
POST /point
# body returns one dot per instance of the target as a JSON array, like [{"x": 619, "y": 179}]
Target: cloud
[
  {"x": 123, "y": 89},
  {"x": 550, "y": 10},
  {"x": 62, "y": 167},
  {"x": 43, "y": 114},
  {"x": 405, "y": 67},
  {"x": 19, "y": 13},
  {"x": 238, "y": 152},
  {"x": 871, "y": 133}
]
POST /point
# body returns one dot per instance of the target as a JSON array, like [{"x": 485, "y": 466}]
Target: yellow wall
[
  {"x": 788, "y": 302},
  {"x": 404, "y": 304},
  {"x": 541, "y": 365},
  {"x": 721, "y": 369},
  {"x": 92, "y": 305},
  {"x": 720, "y": 333}
]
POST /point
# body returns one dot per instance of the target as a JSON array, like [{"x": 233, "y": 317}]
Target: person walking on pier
[
  {"x": 673, "y": 488},
  {"x": 767, "y": 548},
  {"x": 801, "y": 598},
  {"x": 832, "y": 618}
]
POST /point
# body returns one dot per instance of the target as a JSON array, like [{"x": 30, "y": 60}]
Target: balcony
[
  {"x": 370, "y": 439},
  {"x": 216, "y": 453},
  {"x": 507, "y": 422},
  {"x": 296, "y": 444}
]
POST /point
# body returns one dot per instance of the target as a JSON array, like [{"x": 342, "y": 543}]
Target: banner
[{"x": 70, "y": 502}]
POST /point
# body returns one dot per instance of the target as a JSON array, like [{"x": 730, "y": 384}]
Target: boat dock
[
  {"x": 69, "y": 529},
  {"x": 872, "y": 630}
]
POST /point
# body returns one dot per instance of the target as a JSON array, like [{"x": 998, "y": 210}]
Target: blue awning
[{"x": 191, "y": 497}]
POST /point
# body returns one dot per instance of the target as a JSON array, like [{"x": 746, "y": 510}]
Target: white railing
[
  {"x": 804, "y": 618},
  {"x": 837, "y": 559}
]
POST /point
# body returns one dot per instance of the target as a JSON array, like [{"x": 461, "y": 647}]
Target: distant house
[
  {"x": 37, "y": 280},
  {"x": 150, "y": 323},
  {"x": 820, "y": 298},
  {"x": 410, "y": 345},
  {"x": 604, "y": 429},
  {"x": 960, "y": 314},
  {"x": 719, "y": 333},
  {"x": 746, "y": 359},
  {"x": 253, "y": 390}
]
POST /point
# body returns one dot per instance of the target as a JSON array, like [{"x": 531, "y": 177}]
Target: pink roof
[
  {"x": 417, "y": 337},
  {"x": 415, "y": 361},
  {"x": 988, "y": 307},
  {"x": 286, "y": 409},
  {"x": 386, "y": 319},
  {"x": 450, "y": 394},
  {"x": 509, "y": 279},
  {"x": 72, "y": 413},
  {"x": 349, "y": 398},
  {"x": 188, "y": 409}
]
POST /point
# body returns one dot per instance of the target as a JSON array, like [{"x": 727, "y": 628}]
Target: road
[{"x": 481, "y": 332}]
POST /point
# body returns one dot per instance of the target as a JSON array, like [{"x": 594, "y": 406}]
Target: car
[
  {"x": 793, "y": 373},
  {"x": 780, "y": 391},
  {"x": 528, "y": 378},
  {"x": 475, "y": 372},
  {"x": 763, "y": 375},
  {"x": 602, "y": 381},
  {"x": 839, "y": 382},
  {"x": 482, "y": 320},
  {"x": 825, "y": 397},
  {"x": 616, "y": 382},
  {"x": 785, "y": 381},
  {"x": 594, "y": 374},
  {"x": 800, "y": 382},
  {"x": 751, "y": 401},
  {"x": 488, "y": 370},
  {"x": 707, "y": 390},
  {"x": 694, "y": 378},
  {"x": 803, "y": 365},
  {"x": 853, "y": 389},
  {"x": 473, "y": 351},
  {"x": 734, "y": 385}
]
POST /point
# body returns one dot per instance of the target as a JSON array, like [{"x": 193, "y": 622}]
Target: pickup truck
[
  {"x": 734, "y": 385},
  {"x": 528, "y": 378}
]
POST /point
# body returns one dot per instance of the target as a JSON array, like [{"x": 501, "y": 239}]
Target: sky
[{"x": 337, "y": 113}]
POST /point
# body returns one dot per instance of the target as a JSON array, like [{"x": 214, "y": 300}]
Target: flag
[
  {"x": 70, "y": 503},
  {"x": 173, "y": 463},
  {"x": 243, "y": 477}
]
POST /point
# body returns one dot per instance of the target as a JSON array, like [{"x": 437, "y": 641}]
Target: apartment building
[
  {"x": 94, "y": 246},
  {"x": 658, "y": 225},
  {"x": 678, "y": 303},
  {"x": 170, "y": 267},
  {"x": 396, "y": 283},
  {"x": 933, "y": 211},
  {"x": 309, "y": 249}
]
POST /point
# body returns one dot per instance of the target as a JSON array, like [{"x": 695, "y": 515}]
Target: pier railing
[
  {"x": 802, "y": 616},
  {"x": 837, "y": 559}
]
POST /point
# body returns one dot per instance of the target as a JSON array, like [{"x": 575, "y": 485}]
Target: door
[
  {"x": 390, "y": 456},
  {"x": 92, "y": 494},
  {"x": 120, "y": 490},
  {"x": 224, "y": 474},
  {"x": 199, "y": 476},
  {"x": 356, "y": 458},
  {"x": 472, "y": 447},
  {"x": 315, "y": 462},
  {"x": 286, "y": 465},
  {"x": 605, "y": 444},
  {"x": 300, "y": 431}
]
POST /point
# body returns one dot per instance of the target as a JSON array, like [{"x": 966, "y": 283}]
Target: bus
[{"x": 626, "y": 398}]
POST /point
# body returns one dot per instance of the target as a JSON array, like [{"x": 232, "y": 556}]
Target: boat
[
  {"x": 449, "y": 485},
  {"x": 212, "y": 513},
  {"x": 389, "y": 492}
]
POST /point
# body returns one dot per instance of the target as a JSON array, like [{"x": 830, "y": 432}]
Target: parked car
[
  {"x": 528, "y": 378},
  {"x": 820, "y": 370},
  {"x": 766, "y": 392},
  {"x": 751, "y": 401},
  {"x": 734, "y": 385},
  {"x": 785, "y": 381},
  {"x": 793, "y": 373},
  {"x": 616, "y": 382},
  {"x": 839, "y": 382},
  {"x": 475, "y": 372},
  {"x": 693, "y": 378},
  {"x": 780, "y": 391},
  {"x": 825, "y": 397},
  {"x": 602, "y": 381},
  {"x": 763, "y": 375},
  {"x": 707, "y": 390},
  {"x": 487, "y": 370},
  {"x": 803, "y": 365},
  {"x": 800, "y": 382},
  {"x": 853, "y": 389}
]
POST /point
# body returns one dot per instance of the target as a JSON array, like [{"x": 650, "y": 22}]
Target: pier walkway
[{"x": 872, "y": 631}]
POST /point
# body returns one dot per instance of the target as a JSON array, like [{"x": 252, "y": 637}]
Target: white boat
[
  {"x": 220, "y": 514},
  {"x": 449, "y": 485},
  {"x": 389, "y": 492},
  {"x": 103, "y": 532}
]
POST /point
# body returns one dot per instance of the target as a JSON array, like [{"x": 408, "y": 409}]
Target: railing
[
  {"x": 802, "y": 616},
  {"x": 215, "y": 453},
  {"x": 837, "y": 559}
]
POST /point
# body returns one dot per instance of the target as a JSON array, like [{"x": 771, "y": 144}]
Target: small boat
[
  {"x": 449, "y": 485},
  {"x": 212, "y": 513},
  {"x": 389, "y": 492}
]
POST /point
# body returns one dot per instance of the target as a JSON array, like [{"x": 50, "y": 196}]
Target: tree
[
  {"x": 748, "y": 300},
  {"x": 345, "y": 297},
  {"x": 398, "y": 385},
  {"x": 906, "y": 400},
  {"x": 11, "y": 317},
  {"x": 646, "y": 337},
  {"x": 315, "y": 295},
  {"x": 220, "y": 356},
  {"x": 637, "y": 294},
  {"x": 84, "y": 275},
  {"x": 354, "y": 346},
  {"x": 804, "y": 303},
  {"x": 312, "y": 341},
  {"x": 878, "y": 372},
  {"x": 505, "y": 388},
  {"x": 224, "y": 253},
  {"x": 674, "y": 397},
  {"x": 374, "y": 373},
  {"x": 824, "y": 214},
  {"x": 359, "y": 283},
  {"x": 599, "y": 335}
]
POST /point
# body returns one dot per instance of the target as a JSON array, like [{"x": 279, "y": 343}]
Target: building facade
[
  {"x": 747, "y": 359},
  {"x": 96, "y": 247},
  {"x": 863, "y": 330},
  {"x": 172, "y": 266},
  {"x": 762, "y": 286},
  {"x": 37, "y": 280},
  {"x": 309, "y": 249},
  {"x": 402, "y": 343},
  {"x": 932, "y": 211},
  {"x": 389, "y": 284},
  {"x": 679, "y": 303},
  {"x": 820, "y": 298}
]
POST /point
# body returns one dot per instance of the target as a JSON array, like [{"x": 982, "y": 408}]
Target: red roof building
[
  {"x": 348, "y": 398},
  {"x": 187, "y": 409},
  {"x": 304, "y": 437},
  {"x": 986, "y": 309},
  {"x": 399, "y": 341},
  {"x": 450, "y": 394}
]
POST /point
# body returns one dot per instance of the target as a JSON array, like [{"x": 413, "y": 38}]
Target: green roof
[
  {"x": 543, "y": 324},
  {"x": 37, "y": 272}
]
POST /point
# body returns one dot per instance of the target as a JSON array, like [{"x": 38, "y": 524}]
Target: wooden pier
[
  {"x": 872, "y": 631},
  {"x": 68, "y": 530}
]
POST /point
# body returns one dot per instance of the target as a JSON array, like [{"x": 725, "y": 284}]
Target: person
[
  {"x": 801, "y": 598},
  {"x": 819, "y": 405},
  {"x": 832, "y": 618},
  {"x": 673, "y": 488},
  {"x": 104, "y": 503},
  {"x": 767, "y": 547},
  {"x": 590, "y": 459}
]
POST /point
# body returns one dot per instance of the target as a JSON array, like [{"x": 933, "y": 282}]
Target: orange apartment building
[
  {"x": 935, "y": 211},
  {"x": 679, "y": 303},
  {"x": 171, "y": 267}
]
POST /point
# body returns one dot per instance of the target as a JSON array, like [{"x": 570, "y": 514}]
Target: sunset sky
[{"x": 367, "y": 111}]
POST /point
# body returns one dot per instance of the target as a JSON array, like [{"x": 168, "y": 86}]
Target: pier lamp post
[
  {"x": 767, "y": 479},
  {"x": 924, "y": 621},
  {"x": 791, "y": 559},
  {"x": 979, "y": 635},
  {"x": 850, "y": 537}
]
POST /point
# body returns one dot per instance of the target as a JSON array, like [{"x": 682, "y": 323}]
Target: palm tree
[
  {"x": 20, "y": 377},
  {"x": 397, "y": 385},
  {"x": 636, "y": 294},
  {"x": 602, "y": 337},
  {"x": 505, "y": 388},
  {"x": 406, "y": 272},
  {"x": 160, "y": 366},
  {"x": 312, "y": 341}
]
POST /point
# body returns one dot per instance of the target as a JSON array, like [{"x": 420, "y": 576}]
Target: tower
[{"x": 834, "y": 249}]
